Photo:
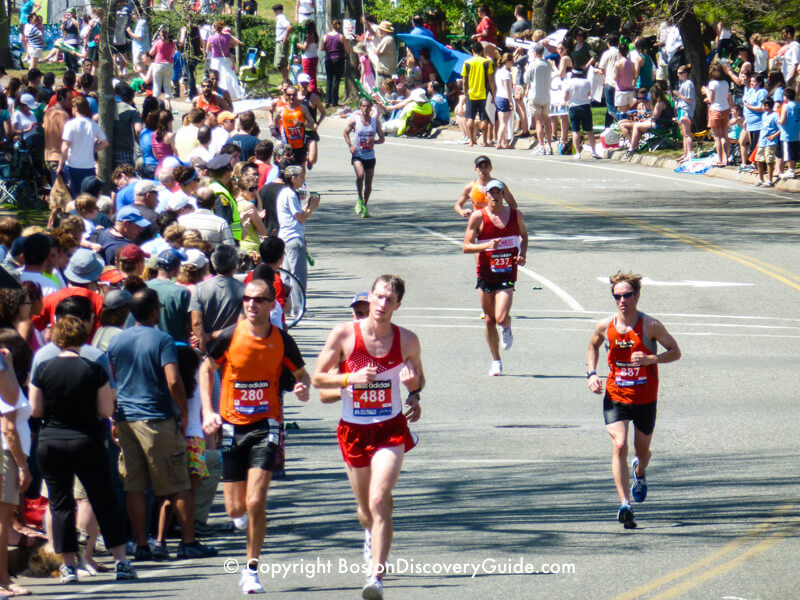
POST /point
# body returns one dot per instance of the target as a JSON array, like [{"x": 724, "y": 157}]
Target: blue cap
[
  {"x": 360, "y": 297},
  {"x": 170, "y": 259},
  {"x": 131, "y": 214}
]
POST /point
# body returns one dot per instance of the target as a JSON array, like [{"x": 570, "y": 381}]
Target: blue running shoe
[
  {"x": 625, "y": 516},
  {"x": 639, "y": 487}
]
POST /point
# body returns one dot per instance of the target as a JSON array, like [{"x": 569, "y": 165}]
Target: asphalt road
[{"x": 513, "y": 473}]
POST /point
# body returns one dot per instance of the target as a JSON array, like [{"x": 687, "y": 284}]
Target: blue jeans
[
  {"x": 74, "y": 178},
  {"x": 611, "y": 109},
  {"x": 295, "y": 263}
]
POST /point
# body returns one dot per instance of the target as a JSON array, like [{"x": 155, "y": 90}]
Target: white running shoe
[
  {"x": 241, "y": 522},
  {"x": 367, "y": 547},
  {"x": 497, "y": 368},
  {"x": 249, "y": 582},
  {"x": 373, "y": 590},
  {"x": 506, "y": 337}
]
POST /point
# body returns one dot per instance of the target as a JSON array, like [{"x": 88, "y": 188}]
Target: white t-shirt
[
  {"x": 48, "y": 285},
  {"x": 24, "y": 411},
  {"x": 201, "y": 152},
  {"x": 21, "y": 121},
  {"x": 282, "y": 25},
  {"x": 790, "y": 58},
  {"x": 579, "y": 90},
  {"x": 82, "y": 134},
  {"x": 312, "y": 51},
  {"x": 607, "y": 62},
  {"x": 761, "y": 62},
  {"x": 219, "y": 137},
  {"x": 500, "y": 77},
  {"x": 288, "y": 205},
  {"x": 719, "y": 95}
]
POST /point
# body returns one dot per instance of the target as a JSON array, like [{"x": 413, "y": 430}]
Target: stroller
[{"x": 21, "y": 179}]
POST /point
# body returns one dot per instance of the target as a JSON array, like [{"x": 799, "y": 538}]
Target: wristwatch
[{"x": 590, "y": 373}]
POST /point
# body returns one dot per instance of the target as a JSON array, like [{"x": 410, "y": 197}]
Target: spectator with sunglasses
[
  {"x": 253, "y": 228},
  {"x": 632, "y": 384}
]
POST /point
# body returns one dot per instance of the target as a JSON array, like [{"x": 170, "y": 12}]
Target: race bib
[
  {"x": 250, "y": 397},
  {"x": 502, "y": 261},
  {"x": 366, "y": 143},
  {"x": 372, "y": 399},
  {"x": 628, "y": 375},
  {"x": 296, "y": 133}
]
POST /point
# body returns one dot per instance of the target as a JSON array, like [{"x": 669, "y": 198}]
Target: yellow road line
[
  {"x": 727, "y": 549},
  {"x": 759, "y": 548}
]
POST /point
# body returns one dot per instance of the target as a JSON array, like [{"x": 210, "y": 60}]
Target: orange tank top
[
  {"x": 478, "y": 196},
  {"x": 627, "y": 383},
  {"x": 294, "y": 127}
]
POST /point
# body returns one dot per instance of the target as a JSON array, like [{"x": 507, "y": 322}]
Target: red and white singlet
[
  {"x": 380, "y": 400},
  {"x": 498, "y": 265},
  {"x": 626, "y": 382}
]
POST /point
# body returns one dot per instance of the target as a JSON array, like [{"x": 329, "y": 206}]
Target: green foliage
[{"x": 456, "y": 12}]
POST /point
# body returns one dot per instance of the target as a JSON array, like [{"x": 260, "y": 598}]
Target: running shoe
[
  {"x": 195, "y": 550},
  {"x": 241, "y": 522},
  {"x": 497, "y": 368},
  {"x": 506, "y": 337},
  {"x": 365, "y": 213},
  {"x": 787, "y": 175},
  {"x": 639, "y": 487},
  {"x": 540, "y": 151},
  {"x": 758, "y": 184},
  {"x": 767, "y": 184},
  {"x": 596, "y": 155},
  {"x": 373, "y": 590},
  {"x": 628, "y": 155},
  {"x": 625, "y": 516},
  {"x": 125, "y": 571},
  {"x": 359, "y": 207},
  {"x": 367, "y": 547},
  {"x": 142, "y": 553},
  {"x": 548, "y": 149},
  {"x": 159, "y": 551},
  {"x": 69, "y": 574},
  {"x": 249, "y": 582}
]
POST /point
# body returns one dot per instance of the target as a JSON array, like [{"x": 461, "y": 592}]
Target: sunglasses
[
  {"x": 626, "y": 295},
  {"x": 257, "y": 299},
  {"x": 252, "y": 189}
]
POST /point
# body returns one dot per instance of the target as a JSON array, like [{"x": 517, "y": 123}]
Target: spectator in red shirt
[{"x": 486, "y": 31}]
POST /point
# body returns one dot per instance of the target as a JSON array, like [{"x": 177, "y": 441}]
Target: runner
[
  {"x": 475, "y": 191},
  {"x": 253, "y": 355},
  {"x": 373, "y": 433},
  {"x": 365, "y": 127},
  {"x": 293, "y": 120},
  {"x": 313, "y": 103},
  {"x": 497, "y": 234},
  {"x": 632, "y": 384}
]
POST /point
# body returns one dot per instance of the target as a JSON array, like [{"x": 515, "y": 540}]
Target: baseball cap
[
  {"x": 225, "y": 115},
  {"x": 112, "y": 275},
  {"x": 303, "y": 78},
  {"x": 494, "y": 184},
  {"x": 17, "y": 246},
  {"x": 29, "y": 101},
  {"x": 482, "y": 158},
  {"x": 195, "y": 258},
  {"x": 170, "y": 259},
  {"x": 145, "y": 186},
  {"x": 117, "y": 299},
  {"x": 131, "y": 214},
  {"x": 84, "y": 267},
  {"x": 132, "y": 253},
  {"x": 359, "y": 297},
  {"x": 92, "y": 185},
  {"x": 178, "y": 202},
  {"x": 218, "y": 162}
]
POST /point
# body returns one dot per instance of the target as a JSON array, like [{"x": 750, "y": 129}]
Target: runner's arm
[
  {"x": 302, "y": 385},
  {"x": 381, "y": 134},
  {"x": 309, "y": 120},
  {"x": 325, "y": 373},
  {"x": 321, "y": 109},
  {"x": 593, "y": 355},
  {"x": 205, "y": 379},
  {"x": 509, "y": 197},
  {"x": 347, "y": 130},
  {"x": 654, "y": 329},
  {"x": 523, "y": 246},
  {"x": 462, "y": 200},
  {"x": 473, "y": 230},
  {"x": 412, "y": 375}
]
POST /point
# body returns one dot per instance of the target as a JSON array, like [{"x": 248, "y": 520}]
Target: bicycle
[{"x": 290, "y": 281}]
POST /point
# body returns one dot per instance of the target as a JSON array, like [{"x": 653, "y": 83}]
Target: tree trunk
[
  {"x": 238, "y": 25},
  {"x": 5, "y": 26},
  {"x": 107, "y": 105},
  {"x": 352, "y": 11},
  {"x": 694, "y": 54},
  {"x": 543, "y": 11}
]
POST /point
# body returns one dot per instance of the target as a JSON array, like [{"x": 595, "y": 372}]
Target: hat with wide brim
[
  {"x": 84, "y": 267},
  {"x": 386, "y": 26}
]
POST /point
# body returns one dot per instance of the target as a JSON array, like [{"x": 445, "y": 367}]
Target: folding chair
[
  {"x": 659, "y": 138},
  {"x": 254, "y": 71}
]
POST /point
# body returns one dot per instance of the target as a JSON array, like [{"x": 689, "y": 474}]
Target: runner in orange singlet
[
  {"x": 253, "y": 356},
  {"x": 475, "y": 191},
  {"x": 632, "y": 384},
  {"x": 498, "y": 236},
  {"x": 293, "y": 120},
  {"x": 374, "y": 357}
]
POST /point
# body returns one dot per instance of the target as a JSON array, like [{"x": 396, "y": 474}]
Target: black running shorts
[
  {"x": 642, "y": 415},
  {"x": 246, "y": 447}
]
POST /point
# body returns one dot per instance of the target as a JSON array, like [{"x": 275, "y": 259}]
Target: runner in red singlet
[
  {"x": 497, "y": 234},
  {"x": 632, "y": 384},
  {"x": 293, "y": 119},
  {"x": 374, "y": 357},
  {"x": 475, "y": 191}
]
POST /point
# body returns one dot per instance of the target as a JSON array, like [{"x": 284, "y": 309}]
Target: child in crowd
[
  {"x": 767, "y": 143},
  {"x": 789, "y": 146},
  {"x": 736, "y": 131}
]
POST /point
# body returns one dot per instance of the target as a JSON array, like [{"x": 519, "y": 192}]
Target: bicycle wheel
[{"x": 297, "y": 312}]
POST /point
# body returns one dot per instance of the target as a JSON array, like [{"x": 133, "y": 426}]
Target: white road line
[
  {"x": 610, "y": 311},
  {"x": 585, "y": 164},
  {"x": 569, "y": 300}
]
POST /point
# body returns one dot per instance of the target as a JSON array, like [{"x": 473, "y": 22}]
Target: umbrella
[{"x": 447, "y": 62}]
